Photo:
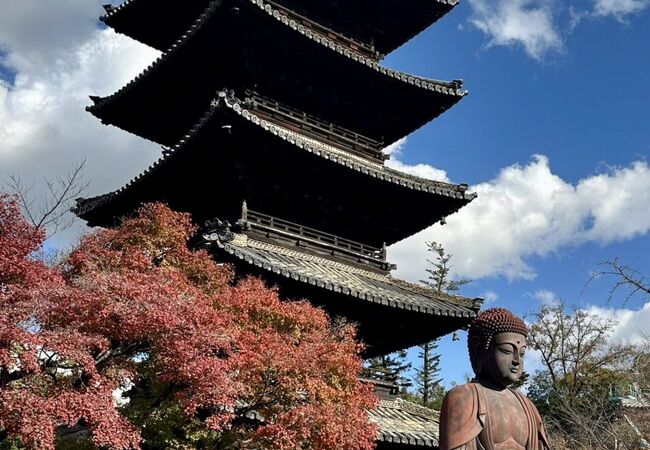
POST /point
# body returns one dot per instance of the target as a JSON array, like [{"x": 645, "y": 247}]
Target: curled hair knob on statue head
[{"x": 488, "y": 324}]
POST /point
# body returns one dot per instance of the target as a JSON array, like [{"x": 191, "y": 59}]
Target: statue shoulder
[
  {"x": 459, "y": 417},
  {"x": 461, "y": 393}
]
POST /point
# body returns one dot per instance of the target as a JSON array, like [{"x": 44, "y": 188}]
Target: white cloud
[
  {"x": 529, "y": 211},
  {"x": 421, "y": 170},
  {"x": 396, "y": 147},
  {"x": 546, "y": 297},
  {"x": 489, "y": 297},
  {"x": 631, "y": 325},
  {"x": 44, "y": 128},
  {"x": 40, "y": 34},
  {"x": 619, "y": 8},
  {"x": 527, "y": 23}
]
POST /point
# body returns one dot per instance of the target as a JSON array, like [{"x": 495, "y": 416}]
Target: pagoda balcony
[
  {"x": 246, "y": 46},
  {"x": 372, "y": 28},
  {"x": 285, "y": 233},
  {"x": 312, "y": 127},
  {"x": 232, "y": 154},
  {"x": 353, "y": 45}
]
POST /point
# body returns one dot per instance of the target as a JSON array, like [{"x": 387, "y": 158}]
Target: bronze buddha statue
[{"x": 487, "y": 414}]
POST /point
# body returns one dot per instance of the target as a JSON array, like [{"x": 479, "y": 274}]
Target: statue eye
[{"x": 505, "y": 350}]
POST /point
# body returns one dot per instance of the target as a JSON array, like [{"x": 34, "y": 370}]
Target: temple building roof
[
  {"x": 360, "y": 291},
  {"x": 405, "y": 423},
  {"x": 637, "y": 402},
  {"x": 233, "y": 155},
  {"x": 283, "y": 60},
  {"x": 364, "y": 285},
  {"x": 381, "y": 25}
]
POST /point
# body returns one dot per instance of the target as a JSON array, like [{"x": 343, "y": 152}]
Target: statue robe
[{"x": 465, "y": 413}]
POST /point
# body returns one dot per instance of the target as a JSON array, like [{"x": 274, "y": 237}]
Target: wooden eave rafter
[{"x": 449, "y": 92}]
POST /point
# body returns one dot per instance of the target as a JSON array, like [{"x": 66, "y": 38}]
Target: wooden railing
[
  {"x": 352, "y": 44},
  {"x": 312, "y": 127},
  {"x": 256, "y": 220}
]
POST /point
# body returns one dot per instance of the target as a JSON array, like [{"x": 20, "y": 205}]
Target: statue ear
[
  {"x": 475, "y": 353},
  {"x": 475, "y": 345}
]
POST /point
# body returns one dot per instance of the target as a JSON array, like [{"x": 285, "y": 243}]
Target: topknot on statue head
[{"x": 488, "y": 324}]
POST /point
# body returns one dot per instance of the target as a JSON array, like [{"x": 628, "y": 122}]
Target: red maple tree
[{"x": 232, "y": 356}]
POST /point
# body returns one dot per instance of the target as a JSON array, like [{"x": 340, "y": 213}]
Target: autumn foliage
[{"x": 132, "y": 310}]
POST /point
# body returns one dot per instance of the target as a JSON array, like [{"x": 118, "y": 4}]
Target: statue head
[{"x": 497, "y": 343}]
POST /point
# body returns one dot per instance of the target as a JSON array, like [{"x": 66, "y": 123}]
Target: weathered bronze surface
[{"x": 487, "y": 414}]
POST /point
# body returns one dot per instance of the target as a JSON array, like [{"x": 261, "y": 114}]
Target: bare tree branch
[
  {"x": 627, "y": 278},
  {"x": 48, "y": 211}
]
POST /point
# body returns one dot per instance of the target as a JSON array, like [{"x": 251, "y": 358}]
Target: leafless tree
[
  {"x": 627, "y": 279},
  {"x": 50, "y": 209}
]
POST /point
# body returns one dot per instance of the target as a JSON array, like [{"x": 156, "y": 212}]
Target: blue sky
[
  {"x": 554, "y": 137},
  {"x": 584, "y": 104}
]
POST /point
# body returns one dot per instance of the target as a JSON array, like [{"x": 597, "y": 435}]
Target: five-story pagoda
[{"x": 273, "y": 116}]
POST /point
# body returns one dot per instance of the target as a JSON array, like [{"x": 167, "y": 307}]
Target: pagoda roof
[
  {"x": 235, "y": 152},
  {"x": 403, "y": 422},
  {"x": 391, "y": 314},
  {"x": 282, "y": 60},
  {"x": 638, "y": 401},
  {"x": 382, "y": 25}
]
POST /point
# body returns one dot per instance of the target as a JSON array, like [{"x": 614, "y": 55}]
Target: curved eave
[
  {"x": 436, "y": 189},
  {"x": 386, "y": 23},
  {"x": 438, "y": 96},
  {"x": 154, "y": 23},
  {"x": 393, "y": 293}
]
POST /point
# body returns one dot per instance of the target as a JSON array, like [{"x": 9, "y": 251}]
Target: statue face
[{"x": 503, "y": 363}]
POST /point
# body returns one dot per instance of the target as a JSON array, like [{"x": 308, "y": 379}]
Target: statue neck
[{"x": 489, "y": 384}]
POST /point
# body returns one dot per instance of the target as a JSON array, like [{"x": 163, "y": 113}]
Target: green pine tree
[
  {"x": 427, "y": 377},
  {"x": 394, "y": 368},
  {"x": 430, "y": 391},
  {"x": 440, "y": 269}
]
